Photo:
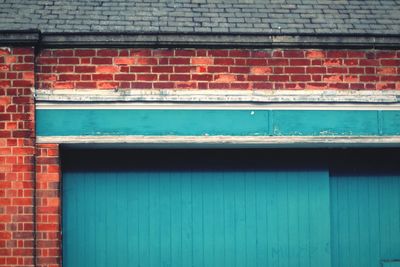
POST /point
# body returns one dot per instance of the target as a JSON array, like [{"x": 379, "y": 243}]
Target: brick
[
  {"x": 299, "y": 62},
  {"x": 218, "y": 85},
  {"x": 185, "y": 53},
  {"x": 22, "y": 83},
  {"x": 260, "y": 54},
  {"x": 257, "y": 78},
  {"x": 102, "y": 77},
  {"x": 225, "y": 78},
  {"x": 390, "y": 62},
  {"x": 390, "y": 78},
  {"x": 22, "y": 67},
  {"x": 135, "y": 69},
  {"x": 63, "y": 85},
  {"x": 125, "y": 77},
  {"x": 63, "y": 53},
  {"x": 263, "y": 85},
  {"x": 218, "y": 53},
  {"x": 69, "y": 77},
  {"x": 332, "y": 78},
  {"x": 340, "y": 86},
  {"x": 240, "y": 69},
  {"x": 386, "y": 71},
  {"x": 217, "y": 69},
  {"x": 351, "y": 79},
  {"x": 333, "y": 62},
  {"x": 202, "y": 77},
  {"x": 313, "y": 70},
  {"x": 107, "y": 53},
  {"x": 202, "y": 61},
  {"x": 369, "y": 62},
  {"x": 351, "y": 62},
  {"x": 386, "y": 54},
  {"x": 369, "y": 78},
  {"x": 294, "y": 70},
  {"x": 68, "y": 60},
  {"x": 239, "y": 53},
  {"x": 85, "y": 85},
  {"x": 85, "y": 69},
  {"x": 61, "y": 69},
  {"x": 293, "y": 53},
  {"x": 141, "y": 85},
  {"x": 385, "y": 86},
  {"x": 355, "y": 54},
  {"x": 85, "y": 52},
  {"x": 140, "y": 52},
  {"x": 10, "y": 59},
  {"x": 336, "y": 54},
  {"x": 260, "y": 70},
  {"x": 124, "y": 61},
  {"x": 107, "y": 69},
  {"x": 162, "y": 52},
  {"x": 335, "y": 70},
  {"x": 152, "y": 61},
  {"x": 102, "y": 60},
  {"x": 279, "y": 78},
  {"x": 178, "y": 61},
  {"x": 5, "y": 51},
  {"x": 186, "y": 69},
  {"x": 315, "y": 54},
  {"x": 163, "y": 85},
  {"x": 162, "y": 69},
  {"x": 278, "y": 62},
  {"x": 300, "y": 78},
  {"x": 257, "y": 62},
  {"x": 146, "y": 77}
]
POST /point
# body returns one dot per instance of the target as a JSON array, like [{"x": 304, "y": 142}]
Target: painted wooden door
[
  {"x": 365, "y": 218},
  {"x": 199, "y": 217}
]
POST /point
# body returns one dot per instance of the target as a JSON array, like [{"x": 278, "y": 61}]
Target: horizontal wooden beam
[
  {"x": 216, "y": 122},
  {"x": 247, "y": 96},
  {"x": 222, "y": 141}
]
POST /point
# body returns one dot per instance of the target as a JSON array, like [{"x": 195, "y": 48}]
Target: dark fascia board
[
  {"x": 219, "y": 40},
  {"x": 20, "y": 38},
  {"x": 198, "y": 40}
]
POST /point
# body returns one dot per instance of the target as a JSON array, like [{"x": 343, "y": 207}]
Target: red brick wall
[
  {"x": 141, "y": 69},
  {"x": 48, "y": 212},
  {"x": 16, "y": 156},
  {"x": 218, "y": 69}
]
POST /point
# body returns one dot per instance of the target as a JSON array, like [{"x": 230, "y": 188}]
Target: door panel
[
  {"x": 199, "y": 217},
  {"x": 365, "y": 218}
]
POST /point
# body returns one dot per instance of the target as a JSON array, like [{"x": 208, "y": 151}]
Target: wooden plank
[
  {"x": 209, "y": 216},
  {"x": 365, "y": 218},
  {"x": 204, "y": 123}
]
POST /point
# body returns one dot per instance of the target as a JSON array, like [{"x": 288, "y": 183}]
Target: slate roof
[{"x": 205, "y": 16}]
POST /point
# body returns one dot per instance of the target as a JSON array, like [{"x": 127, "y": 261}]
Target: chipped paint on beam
[
  {"x": 214, "y": 106},
  {"x": 225, "y": 141},
  {"x": 246, "y": 96}
]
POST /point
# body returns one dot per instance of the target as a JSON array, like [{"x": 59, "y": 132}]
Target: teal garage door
[{"x": 225, "y": 208}]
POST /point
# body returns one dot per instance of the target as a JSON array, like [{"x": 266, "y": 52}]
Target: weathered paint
[
  {"x": 365, "y": 218},
  {"x": 200, "y": 217},
  {"x": 120, "y": 122},
  {"x": 391, "y": 264},
  {"x": 222, "y": 96},
  {"x": 140, "y": 141}
]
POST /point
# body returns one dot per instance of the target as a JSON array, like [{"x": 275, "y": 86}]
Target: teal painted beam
[{"x": 173, "y": 122}]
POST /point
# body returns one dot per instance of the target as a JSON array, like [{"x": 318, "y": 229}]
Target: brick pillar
[
  {"x": 48, "y": 210},
  {"x": 16, "y": 156}
]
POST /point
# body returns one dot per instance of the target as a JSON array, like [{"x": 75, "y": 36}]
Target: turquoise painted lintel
[{"x": 155, "y": 122}]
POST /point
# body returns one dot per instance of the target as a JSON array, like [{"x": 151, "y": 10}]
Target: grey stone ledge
[{"x": 199, "y": 39}]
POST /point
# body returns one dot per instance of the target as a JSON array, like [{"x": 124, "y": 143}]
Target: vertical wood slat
[
  {"x": 196, "y": 218},
  {"x": 365, "y": 219}
]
